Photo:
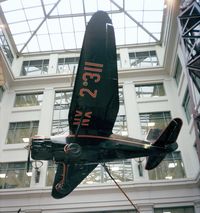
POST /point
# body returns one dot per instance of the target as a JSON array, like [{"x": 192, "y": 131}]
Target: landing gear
[{"x": 73, "y": 149}]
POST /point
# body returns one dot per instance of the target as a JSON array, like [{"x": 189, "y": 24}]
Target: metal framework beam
[
  {"x": 189, "y": 25},
  {"x": 45, "y": 18},
  {"x": 127, "y": 14}
]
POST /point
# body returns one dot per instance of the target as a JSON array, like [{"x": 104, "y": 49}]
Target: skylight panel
[
  {"x": 15, "y": 16},
  {"x": 43, "y": 29},
  {"x": 53, "y": 26},
  {"x": 31, "y": 3},
  {"x": 56, "y": 41},
  {"x": 79, "y": 24},
  {"x": 137, "y": 15},
  {"x": 21, "y": 27},
  {"x": 48, "y": 4},
  {"x": 131, "y": 35},
  {"x": 143, "y": 37},
  {"x": 153, "y": 27},
  {"x": 21, "y": 38},
  {"x": 129, "y": 22},
  {"x": 153, "y": 16},
  {"x": 11, "y": 5},
  {"x": 155, "y": 5},
  {"x": 119, "y": 36},
  {"x": 34, "y": 13},
  {"x": 118, "y": 20},
  {"x": 33, "y": 24},
  {"x": 69, "y": 40},
  {"x": 33, "y": 45},
  {"x": 44, "y": 42},
  {"x": 139, "y": 22},
  {"x": 104, "y": 5},
  {"x": 90, "y": 6},
  {"x": 79, "y": 39},
  {"x": 76, "y": 6},
  {"x": 134, "y": 5},
  {"x": 62, "y": 8},
  {"x": 66, "y": 24}
]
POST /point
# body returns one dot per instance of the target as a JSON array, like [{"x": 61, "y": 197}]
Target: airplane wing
[
  {"x": 68, "y": 177},
  {"x": 95, "y": 100}
]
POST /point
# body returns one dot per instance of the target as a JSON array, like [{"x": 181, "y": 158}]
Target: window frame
[
  {"x": 150, "y": 124},
  {"x": 14, "y": 132},
  {"x": 40, "y": 67},
  {"x": 186, "y": 104},
  {"x": 170, "y": 166},
  {"x": 24, "y": 179},
  {"x": 140, "y": 57},
  {"x": 67, "y": 61},
  {"x": 156, "y": 86},
  {"x": 26, "y": 101},
  {"x": 178, "y": 71}
]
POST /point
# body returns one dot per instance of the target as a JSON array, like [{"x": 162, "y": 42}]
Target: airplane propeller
[{"x": 28, "y": 147}]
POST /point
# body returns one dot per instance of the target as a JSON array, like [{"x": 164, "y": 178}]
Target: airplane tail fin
[{"x": 167, "y": 139}]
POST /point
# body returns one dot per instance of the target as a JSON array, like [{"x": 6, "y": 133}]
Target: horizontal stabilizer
[{"x": 167, "y": 139}]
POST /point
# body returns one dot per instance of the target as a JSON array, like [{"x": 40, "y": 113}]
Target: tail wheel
[{"x": 73, "y": 149}]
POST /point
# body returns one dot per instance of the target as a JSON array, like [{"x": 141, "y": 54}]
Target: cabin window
[
  {"x": 61, "y": 109},
  {"x": 20, "y": 132},
  {"x": 35, "y": 67},
  {"x": 170, "y": 168},
  {"x": 67, "y": 65},
  {"x": 187, "y": 105},
  {"x": 154, "y": 120},
  {"x": 14, "y": 175},
  {"x": 150, "y": 90},
  {"x": 178, "y": 71},
  {"x": 186, "y": 209},
  {"x": 143, "y": 59},
  {"x": 26, "y": 100}
]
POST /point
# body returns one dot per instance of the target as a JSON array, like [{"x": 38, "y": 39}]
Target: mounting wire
[{"x": 107, "y": 170}]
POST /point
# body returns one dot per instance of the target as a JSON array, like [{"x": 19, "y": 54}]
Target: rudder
[{"x": 167, "y": 139}]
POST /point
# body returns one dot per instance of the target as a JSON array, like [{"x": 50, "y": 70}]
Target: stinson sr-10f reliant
[{"x": 92, "y": 114}]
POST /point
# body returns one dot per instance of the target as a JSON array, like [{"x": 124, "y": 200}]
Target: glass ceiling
[{"x": 51, "y": 25}]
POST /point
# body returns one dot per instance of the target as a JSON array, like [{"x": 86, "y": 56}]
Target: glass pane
[
  {"x": 36, "y": 67},
  {"x": 60, "y": 115},
  {"x": 13, "y": 175},
  {"x": 121, "y": 171},
  {"x": 187, "y": 209},
  {"x": 143, "y": 59},
  {"x": 150, "y": 90},
  {"x": 67, "y": 65},
  {"x": 20, "y": 130},
  {"x": 170, "y": 168},
  {"x": 154, "y": 120},
  {"x": 24, "y": 100},
  {"x": 94, "y": 177},
  {"x": 178, "y": 71}
]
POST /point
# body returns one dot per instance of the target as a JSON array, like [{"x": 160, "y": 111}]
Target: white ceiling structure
[{"x": 52, "y": 25}]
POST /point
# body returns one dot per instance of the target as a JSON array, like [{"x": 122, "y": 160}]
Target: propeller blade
[{"x": 29, "y": 156}]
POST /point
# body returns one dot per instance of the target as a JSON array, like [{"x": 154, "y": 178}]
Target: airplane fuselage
[{"x": 86, "y": 149}]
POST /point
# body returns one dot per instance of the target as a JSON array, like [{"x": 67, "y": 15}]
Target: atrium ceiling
[{"x": 59, "y": 25}]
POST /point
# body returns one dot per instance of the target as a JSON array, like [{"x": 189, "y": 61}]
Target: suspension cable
[{"x": 107, "y": 170}]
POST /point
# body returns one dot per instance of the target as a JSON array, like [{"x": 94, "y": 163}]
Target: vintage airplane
[{"x": 92, "y": 114}]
